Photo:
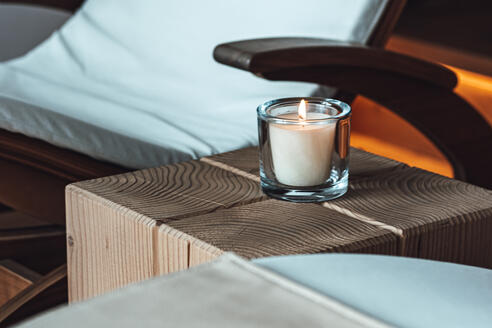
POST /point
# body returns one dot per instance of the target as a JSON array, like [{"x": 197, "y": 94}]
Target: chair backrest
[
  {"x": 146, "y": 46},
  {"x": 155, "y": 57}
]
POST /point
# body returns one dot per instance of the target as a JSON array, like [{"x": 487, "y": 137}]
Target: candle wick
[{"x": 302, "y": 119}]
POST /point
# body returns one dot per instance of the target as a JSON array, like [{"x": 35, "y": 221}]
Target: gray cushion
[
  {"x": 24, "y": 27},
  {"x": 230, "y": 292}
]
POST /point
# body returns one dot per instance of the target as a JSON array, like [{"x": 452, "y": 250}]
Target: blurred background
[{"x": 455, "y": 33}]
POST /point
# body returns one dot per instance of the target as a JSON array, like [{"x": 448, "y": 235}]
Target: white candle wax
[{"x": 302, "y": 154}]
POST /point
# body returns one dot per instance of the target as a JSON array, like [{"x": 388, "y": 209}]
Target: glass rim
[{"x": 344, "y": 110}]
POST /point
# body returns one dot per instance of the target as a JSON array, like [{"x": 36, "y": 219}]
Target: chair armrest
[
  {"x": 418, "y": 91},
  {"x": 263, "y": 57}
]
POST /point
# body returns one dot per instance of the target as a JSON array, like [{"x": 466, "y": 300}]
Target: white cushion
[{"x": 134, "y": 82}]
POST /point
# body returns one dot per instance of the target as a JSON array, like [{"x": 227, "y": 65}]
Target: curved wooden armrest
[
  {"x": 418, "y": 91},
  {"x": 68, "y": 5},
  {"x": 263, "y": 56}
]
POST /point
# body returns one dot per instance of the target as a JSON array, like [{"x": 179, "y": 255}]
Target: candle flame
[{"x": 301, "y": 110}]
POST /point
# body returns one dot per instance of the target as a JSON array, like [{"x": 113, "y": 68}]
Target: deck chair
[{"x": 126, "y": 85}]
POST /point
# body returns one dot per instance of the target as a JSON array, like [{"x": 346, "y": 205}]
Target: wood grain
[
  {"x": 174, "y": 191},
  {"x": 111, "y": 221},
  {"x": 108, "y": 245},
  {"x": 130, "y": 227},
  {"x": 441, "y": 218},
  {"x": 176, "y": 250},
  {"x": 277, "y": 228},
  {"x": 438, "y": 218}
]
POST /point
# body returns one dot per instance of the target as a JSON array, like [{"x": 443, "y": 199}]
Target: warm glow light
[{"x": 302, "y": 110}]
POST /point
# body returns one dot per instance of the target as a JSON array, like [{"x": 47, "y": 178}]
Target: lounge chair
[{"x": 126, "y": 85}]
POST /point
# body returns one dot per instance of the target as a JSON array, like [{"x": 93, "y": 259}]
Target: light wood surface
[
  {"x": 275, "y": 227},
  {"x": 133, "y": 226},
  {"x": 112, "y": 222}
]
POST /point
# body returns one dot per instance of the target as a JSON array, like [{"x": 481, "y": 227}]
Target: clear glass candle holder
[{"x": 304, "y": 148}]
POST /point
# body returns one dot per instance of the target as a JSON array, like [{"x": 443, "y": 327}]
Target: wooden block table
[{"x": 133, "y": 226}]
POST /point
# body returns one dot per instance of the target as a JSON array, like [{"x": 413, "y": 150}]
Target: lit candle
[{"x": 302, "y": 153}]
